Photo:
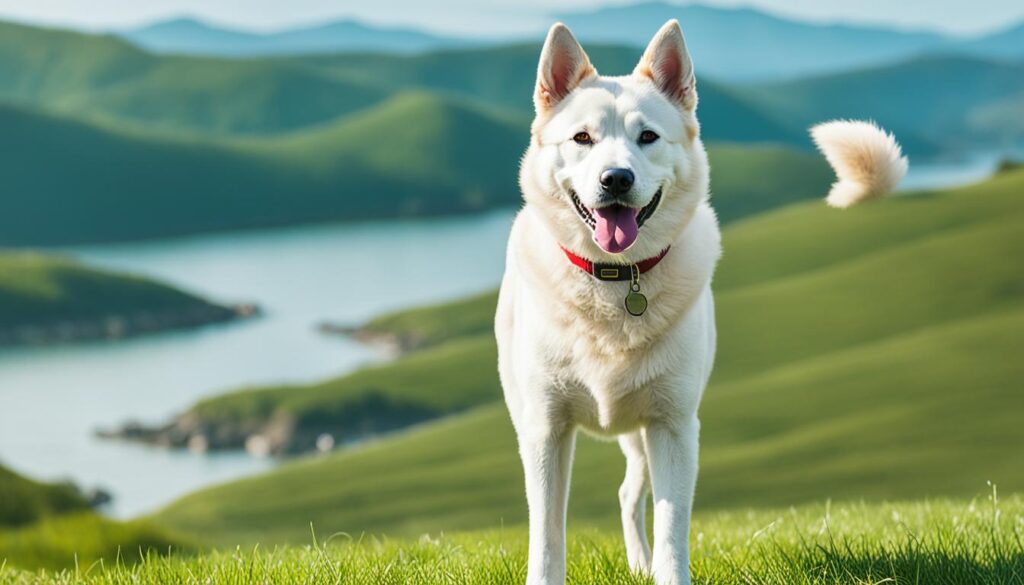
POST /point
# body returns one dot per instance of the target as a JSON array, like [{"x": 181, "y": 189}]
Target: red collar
[{"x": 614, "y": 271}]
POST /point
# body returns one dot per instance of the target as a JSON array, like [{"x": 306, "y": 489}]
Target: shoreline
[{"x": 122, "y": 326}]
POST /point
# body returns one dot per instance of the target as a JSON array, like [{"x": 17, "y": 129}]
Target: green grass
[
  {"x": 23, "y": 500},
  {"x": 862, "y": 354},
  {"x": 941, "y": 542},
  {"x": 51, "y": 526},
  {"x": 44, "y": 291},
  {"x": 83, "y": 540}
]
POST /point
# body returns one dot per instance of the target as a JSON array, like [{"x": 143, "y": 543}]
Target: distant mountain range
[
  {"x": 194, "y": 37},
  {"x": 728, "y": 43}
]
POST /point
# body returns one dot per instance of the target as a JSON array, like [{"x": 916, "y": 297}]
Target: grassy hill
[
  {"x": 47, "y": 298},
  {"x": 912, "y": 99},
  {"x": 106, "y": 78},
  {"x": 51, "y": 526},
  {"x": 23, "y": 500},
  {"x": 943, "y": 542},
  {"x": 862, "y": 355},
  {"x": 163, "y": 186},
  {"x": 725, "y": 114},
  {"x": 415, "y": 154}
]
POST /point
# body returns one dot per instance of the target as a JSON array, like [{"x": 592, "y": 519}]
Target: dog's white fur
[
  {"x": 570, "y": 357},
  {"x": 868, "y": 161}
]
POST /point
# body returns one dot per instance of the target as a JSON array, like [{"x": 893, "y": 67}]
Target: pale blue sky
[{"x": 486, "y": 17}]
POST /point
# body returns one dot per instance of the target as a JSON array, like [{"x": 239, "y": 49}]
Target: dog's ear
[
  {"x": 667, "y": 63},
  {"x": 563, "y": 66}
]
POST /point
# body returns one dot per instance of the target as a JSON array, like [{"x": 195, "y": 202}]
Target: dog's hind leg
[
  {"x": 633, "y": 499},
  {"x": 547, "y": 464}
]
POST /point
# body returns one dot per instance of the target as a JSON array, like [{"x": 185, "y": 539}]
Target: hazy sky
[{"x": 486, "y": 17}]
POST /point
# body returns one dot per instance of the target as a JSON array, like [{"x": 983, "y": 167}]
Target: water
[
  {"x": 963, "y": 170},
  {"x": 54, "y": 398}
]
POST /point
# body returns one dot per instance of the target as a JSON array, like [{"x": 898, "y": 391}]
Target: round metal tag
[{"x": 636, "y": 303}]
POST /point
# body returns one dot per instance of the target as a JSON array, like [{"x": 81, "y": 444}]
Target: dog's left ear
[
  {"x": 667, "y": 63},
  {"x": 563, "y": 66}
]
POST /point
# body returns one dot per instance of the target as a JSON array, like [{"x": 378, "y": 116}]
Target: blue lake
[{"x": 54, "y": 398}]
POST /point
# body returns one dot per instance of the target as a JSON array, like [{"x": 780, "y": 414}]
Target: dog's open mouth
[{"x": 615, "y": 227}]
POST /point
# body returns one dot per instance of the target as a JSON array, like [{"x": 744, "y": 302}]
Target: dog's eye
[
  {"x": 647, "y": 137},
  {"x": 583, "y": 138}
]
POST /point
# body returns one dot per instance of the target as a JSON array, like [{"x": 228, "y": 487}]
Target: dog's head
[{"x": 615, "y": 164}]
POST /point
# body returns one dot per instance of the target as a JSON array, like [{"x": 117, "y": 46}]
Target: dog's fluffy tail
[{"x": 867, "y": 160}]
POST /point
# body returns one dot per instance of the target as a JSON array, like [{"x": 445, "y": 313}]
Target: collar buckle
[{"x": 612, "y": 272}]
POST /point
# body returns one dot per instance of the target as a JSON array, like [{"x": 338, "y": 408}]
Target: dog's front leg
[
  {"x": 547, "y": 462},
  {"x": 672, "y": 457}
]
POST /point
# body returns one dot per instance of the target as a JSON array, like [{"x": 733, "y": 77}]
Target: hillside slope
[
  {"x": 45, "y": 525},
  {"x": 862, "y": 355},
  {"x": 104, "y": 77},
  {"x": 23, "y": 500},
  {"x": 391, "y": 161}
]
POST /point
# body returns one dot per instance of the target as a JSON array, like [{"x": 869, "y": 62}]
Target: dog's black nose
[{"x": 617, "y": 181}]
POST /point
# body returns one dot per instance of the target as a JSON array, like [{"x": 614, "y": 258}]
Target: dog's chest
[{"x": 613, "y": 367}]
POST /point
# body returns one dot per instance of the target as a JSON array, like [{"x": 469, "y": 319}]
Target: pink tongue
[{"x": 616, "y": 228}]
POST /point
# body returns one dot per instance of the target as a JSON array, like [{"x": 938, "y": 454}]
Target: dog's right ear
[{"x": 563, "y": 66}]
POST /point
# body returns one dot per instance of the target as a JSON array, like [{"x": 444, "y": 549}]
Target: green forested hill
[
  {"x": 105, "y": 77},
  {"x": 100, "y": 76},
  {"x": 415, "y": 154},
  {"x": 505, "y": 76},
  {"x": 863, "y": 354},
  {"x": 397, "y": 159}
]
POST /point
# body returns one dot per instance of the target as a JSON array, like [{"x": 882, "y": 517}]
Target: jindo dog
[{"x": 605, "y": 320}]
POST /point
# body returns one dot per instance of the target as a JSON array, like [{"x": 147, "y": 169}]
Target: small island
[{"x": 46, "y": 299}]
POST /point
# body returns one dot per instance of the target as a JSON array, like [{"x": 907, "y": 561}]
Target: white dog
[{"x": 606, "y": 320}]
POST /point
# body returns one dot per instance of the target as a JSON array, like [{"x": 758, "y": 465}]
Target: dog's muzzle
[{"x": 588, "y": 218}]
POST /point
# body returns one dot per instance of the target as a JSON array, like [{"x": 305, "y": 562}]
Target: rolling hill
[
  {"x": 415, "y": 154},
  {"x": 23, "y": 500},
  {"x": 47, "y": 298},
  {"x": 862, "y": 355},
  {"x": 51, "y": 526},
  {"x": 725, "y": 114},
  {"x": 106, "y": 78},
  {"x": 401, "y": 158}
]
